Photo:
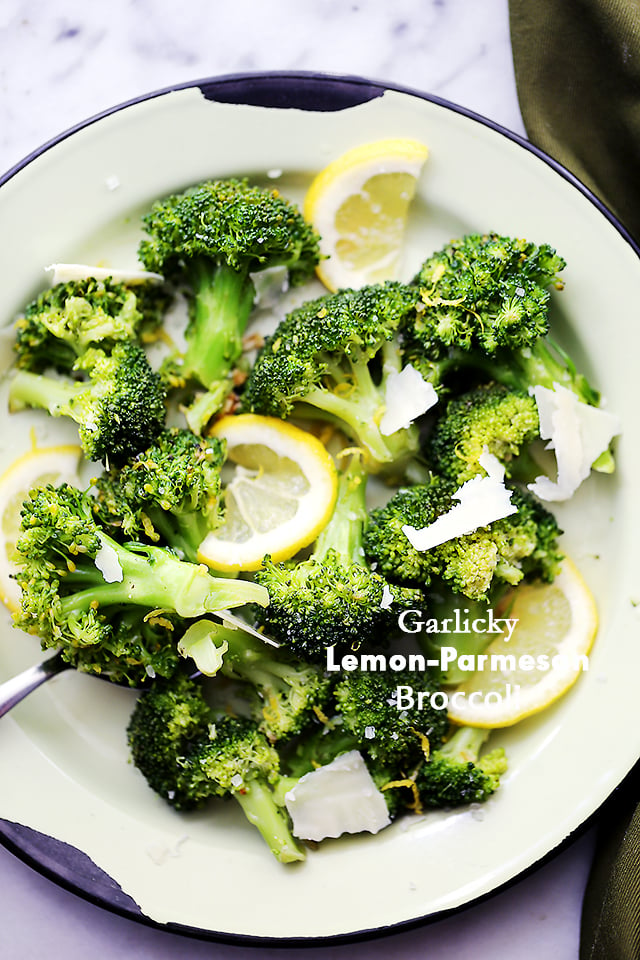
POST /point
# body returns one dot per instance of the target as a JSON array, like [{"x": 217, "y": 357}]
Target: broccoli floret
[
  {"x": 489, "y": 417},
  {"x": 521, "y": 544},
  {"x": 188, "y": 755},
  {"x": 333, "y": 355},
  {"x": 455, "y": 775},
  {"x": 285, "y": 694},
  {"x": 76, "y": 580},
  {"x": 211, "y": 238},
  {"x": 64, "y": 321},
  {"x": 332, "y": 598},
  {"x": 368, "y": 704},
  {"x": 169, "y": 492},
  {"x": 485, "y": 291},
  {"x": 119, "y": 410},
  {"x": 484, "y": 306},
  {"x": 133, "y": 647}
]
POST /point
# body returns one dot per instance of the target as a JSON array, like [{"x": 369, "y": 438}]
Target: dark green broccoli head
[
  {"x": 325, "y": 346},
  {"x": 369, "y": 706},
  {"x": 244, "y": 226},
  {"x": 125, "y": 646},
  {"x": 122, "y": 409},
  {"x": 67, "y": 319},
  {"x": 490, "y": 416},
  {"x": 387, "y": 546},
  {"x": 522, "y": 544},
  {"x": 168, "y": 722},
  {"x": 169, "y": 492},
  {"x": 485, "y": 291},
  {"x": 455, "y": 775},
  {"x": 233, "y": 754},
  {"x": 329, "y": 601},
  {"x": 187, "y": 753}
]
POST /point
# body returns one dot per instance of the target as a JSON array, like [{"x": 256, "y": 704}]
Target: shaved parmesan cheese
[
  {"x": 338, "y": 798},
  {"x": 482, "y": 500},
  {"x": 387, "y": 598},
  {"x": 407, "y": 396},
  {"x": 578, "y": 433},
  {"x": 108, "y": 564},
  {"x": 65, "y": 272}
]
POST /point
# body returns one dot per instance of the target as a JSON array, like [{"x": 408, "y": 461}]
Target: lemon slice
[
  {"x": 359, "y": 205},
  {"x": 554, "y": 620},
  {"x": 39, "y": 466},
  {"x": 281, "y": 493}
]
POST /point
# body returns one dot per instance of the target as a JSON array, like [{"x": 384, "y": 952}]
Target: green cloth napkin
[
  {"x": 577, "y": 68},
  {"x": 611, "y": 906}
]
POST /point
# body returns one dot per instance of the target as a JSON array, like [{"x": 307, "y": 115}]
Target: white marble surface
[{"x": 62, "y": 61}]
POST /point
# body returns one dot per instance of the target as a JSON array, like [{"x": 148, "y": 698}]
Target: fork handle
[{"x": 14, "y": 690}]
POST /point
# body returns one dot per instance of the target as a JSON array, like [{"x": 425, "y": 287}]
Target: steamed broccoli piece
[
  {"x": 520, "y": 545},
  {"x": 368, "y": 704},
  {"x": 488, "y": 417},
  {"x": 77, "y": 581},
  {"x": 211, "y": 238},
  {"x": 132, "y": 648},
  {"x": 169, "y": 492},
  {"x": 64, "y": 321},
  {"x": 455, "y": 775},
  {"x": 285, "y": 694},
  {"x": 486, "y": 291},
  {"x": 484, "y": 305},
  {"x": 332, "y": 598},
  {"x": 328, "y": 741},
  {"x": 119, "y": 409},
  {"x": 332, "y": 357},
  {"x": 188, "y": 755}
]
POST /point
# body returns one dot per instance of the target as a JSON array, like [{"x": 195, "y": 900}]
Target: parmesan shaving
[
  {"x": 65, "y": 272},
  {"x": 577, "y": 432},
  {"x": 337, "y": 798},
  {"x": 482, "y": 501},
  {"x": 407, "y": 396},
  {"x": 108, "y": 564}
]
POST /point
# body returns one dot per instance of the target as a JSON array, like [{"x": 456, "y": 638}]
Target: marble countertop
[{"x": 65, "y": 60}]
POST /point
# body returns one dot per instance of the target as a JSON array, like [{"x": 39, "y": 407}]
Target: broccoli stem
[
  {"x": 161, "y": 581},
  {"x": 260, "y": 809},
  {"x": 344, "y": 531},
  {"x": 223, "y": 298},
  {"x": 542, "y": 364},
  {"x": 465, "y": 744},
  {"x": 44, "y": 393},
  {"x": 359, "y": 407},
  {"x": 184, "y": 531}
]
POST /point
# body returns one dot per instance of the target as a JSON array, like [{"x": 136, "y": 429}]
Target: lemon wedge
[
  {"x": 359, "y": 205},
  {"x": 279, "y": 497},
  {"x": 557, "y": 621},
  {"x": 57, "y": 464}
]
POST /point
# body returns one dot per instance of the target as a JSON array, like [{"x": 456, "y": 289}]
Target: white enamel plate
[{"x": 63, "y": 754}]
